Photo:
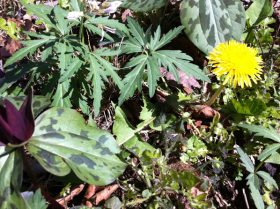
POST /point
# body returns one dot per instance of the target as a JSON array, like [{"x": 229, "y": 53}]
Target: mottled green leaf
[
  {"x": 39, "y": 103},
  {"x": 89, "y": 159},
  {"x": 210, "y": 22},
  {"x": 62, "y": 141},
  {"x": 143, "y": 5}
]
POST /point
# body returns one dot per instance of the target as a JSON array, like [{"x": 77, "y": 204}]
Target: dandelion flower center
[{"x": 237, "y": 63}]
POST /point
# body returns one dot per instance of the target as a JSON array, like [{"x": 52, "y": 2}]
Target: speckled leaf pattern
[
  {"x": 10, "y": 182},
  {"x": 210, "y": 22},
  {"x": 63, "y": 142},
  {"x": 143, "y": 5},
  {"x": 39, "y": 103}
]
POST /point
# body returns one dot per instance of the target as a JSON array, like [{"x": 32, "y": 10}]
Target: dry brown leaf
[
  {"x": 12, "y": 46},
  {"x": 205, "y": 111},
  {"x": 125, "y": 14},
  {"x": 105, "y": 193}
]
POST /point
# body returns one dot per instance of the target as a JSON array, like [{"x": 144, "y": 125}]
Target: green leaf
[
  {"x": 132, "y": 79},
  {"x": 37, "y": 201},
  {"x": 210, "y": 22},
  {"x": 255, "y": 194},
  {"x": 10, "y": 182},
  {"x": 75, "y": 4},
  {"x": 96, "y": 30},
  {"x": 166, "y": 38},
  {"x": 266, "y": 176},
  {"x": 264, "y": 132},
  {"x": 258, "y": 11},
  {"x": 246, "y": 161},
  {"x": 136, "y": 31},
  {"x": 61, "y": 98},
  {"x": 249, "y": 106},
  {"x": 71, "y": 69},
  {"x": 274, "y": 158},
  {"x": 127, "y": 136},
  {"x": 153, "y": 75},
  {"x": 30, "y": 46},
  {"x": 121, "y": 128},
  {"x": 172, "y": 59},
  {"x": 62, "y": 22},
  {"x": 105, "y": 21},
  {"x": 43, "y": 12},
  {"x": 88, "y": 151},
  {"x": 143, "y": 5},
  {"x": 268, "y": 151}
]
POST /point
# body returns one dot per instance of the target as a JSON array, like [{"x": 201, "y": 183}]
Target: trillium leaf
[
  {"x": 143, "y": 5},
  {"x": 89, "y": 160},
  {"x": 211, "y": 22},
  {"x": 39, "y": 103},
  {"x": 61, "y": 146}
]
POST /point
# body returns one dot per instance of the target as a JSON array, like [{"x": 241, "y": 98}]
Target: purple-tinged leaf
[{"x": 188, "y": 82}]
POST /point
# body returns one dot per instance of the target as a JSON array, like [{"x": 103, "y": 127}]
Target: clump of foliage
[{"x": 178, "y": 86}]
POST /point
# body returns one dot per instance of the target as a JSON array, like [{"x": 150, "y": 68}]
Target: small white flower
[
  {"x": 74, "y": 15},
  {"x": 112, "y": 7},
  {"x": 94, "y": 4}
]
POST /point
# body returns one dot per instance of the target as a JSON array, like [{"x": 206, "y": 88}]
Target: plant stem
[
  {"x": 215, "y": 96},
  {"x": 81, "y": 31}
]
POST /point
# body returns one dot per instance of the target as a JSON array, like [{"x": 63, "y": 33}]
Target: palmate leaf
[
  {"x": 264, "y": 132},
  {"x": 100, "y": 69},
  {"x": 149, "y": 59},
  {"x": 133, "y": 79},
  {"x": 88, "y": 151},
  {"x": 136, "y": 31},
  {"x": 105, "y": 21},
  {"x": 172, "y": 59},
  {"x": 268, "y": 151},
  {"x": 266, "y": 176},
  {"x": 246, "y": 161},
  {"x": 252, "y": 181},
  {"x": 30, "y": 47},
  {"x": 43, "y": 12}
]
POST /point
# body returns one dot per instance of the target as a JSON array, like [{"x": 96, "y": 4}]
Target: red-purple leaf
[{"x": 188, "y": 82}]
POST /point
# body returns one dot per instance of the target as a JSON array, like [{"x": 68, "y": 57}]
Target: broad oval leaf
[
  {"x": 211, "y": 22},
  {"x": 89, "y": 160},
  {"x": 143, "y": 5},
  {"x": 62, "y": 141}
]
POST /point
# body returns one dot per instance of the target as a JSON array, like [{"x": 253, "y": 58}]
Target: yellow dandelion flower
[{"x": 237, "y": 63}]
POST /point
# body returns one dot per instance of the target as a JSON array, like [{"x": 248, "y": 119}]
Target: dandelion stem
[{"x": 215, "y": 96}]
